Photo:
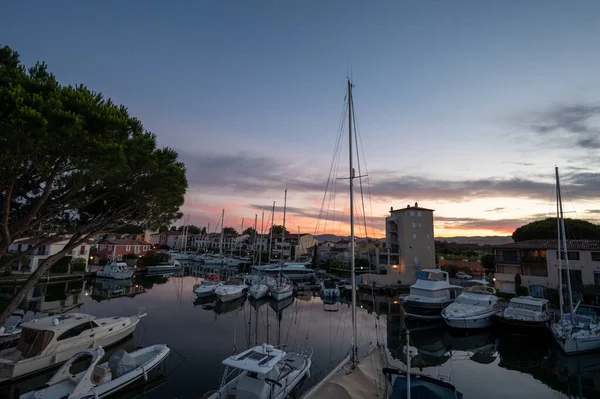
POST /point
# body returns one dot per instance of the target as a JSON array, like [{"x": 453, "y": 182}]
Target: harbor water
[{"x": 482, "y": 364}]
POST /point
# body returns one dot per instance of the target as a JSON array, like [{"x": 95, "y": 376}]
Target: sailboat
[
  {"x": 574, "y": 333},
  {"x": 281, "y": 287},
  {"x": 351, "y": 379}
]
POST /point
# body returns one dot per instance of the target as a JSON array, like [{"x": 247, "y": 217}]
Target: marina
[{"x": 200, "y": 337}]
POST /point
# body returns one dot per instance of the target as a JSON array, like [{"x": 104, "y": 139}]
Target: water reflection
[{"x": 205, "y": 331}]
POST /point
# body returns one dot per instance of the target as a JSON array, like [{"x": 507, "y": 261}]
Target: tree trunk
[{"x": 16, "y": 300}]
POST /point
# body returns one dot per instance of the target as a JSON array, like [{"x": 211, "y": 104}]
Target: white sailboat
[
  {"x": 574, "y": 333},
  {"x": 281, "y": 287}
]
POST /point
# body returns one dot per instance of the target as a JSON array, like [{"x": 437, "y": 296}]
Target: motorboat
[
  {"x": 101, "y": 380},
  {"x": 259, "y": 288},
  {"x": 235, "y": 287},
  {"x": 10, "y": 333},
  {"x": 49, "y": 341},
  {"x": 295, "y": 271},
  {"x": 262, "y": 372},
  {"x": 329, "y": 289},
  {"x": 280, "y": 288},
  {"x": 164, "y": 269},
  {"x": 222, "y": 308},
  {"x": 176, "y": 255},
  {"x": 429, "y": 295},
  {"x": 207, "y": 288},
  {"x": 116, "y": 270},
  {"x": 474, "y": 308},
  {"x": 526, "y": 314}
]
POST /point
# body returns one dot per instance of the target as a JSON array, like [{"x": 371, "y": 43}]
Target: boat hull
[
  {"x": 424, "y": 310},
  {"x": 471, "y": 322},
  {"x": 572, "y": 346},
  {"x": 521, "y": 326},
  {"x": 230, "y": 295},
  {"x": 281, "y": 295},
  {"x": 258, "y": 291},
  {"x": 116, "y": 276}
]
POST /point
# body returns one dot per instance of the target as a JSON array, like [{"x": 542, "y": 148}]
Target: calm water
[{"x": 484, "y": 364}]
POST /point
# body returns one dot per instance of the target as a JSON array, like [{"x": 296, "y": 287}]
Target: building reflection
[
  {"x": 103, "y": 289},
  {"x": 50, "y": 298}
]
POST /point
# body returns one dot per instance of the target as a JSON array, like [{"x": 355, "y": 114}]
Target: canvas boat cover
[
  {"x": 121, "y": 363},
  {"x": 366, "y": 381}
]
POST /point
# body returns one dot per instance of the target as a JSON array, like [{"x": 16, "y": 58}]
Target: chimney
[
  {"x": 391, "y": 209},
  {"x": 416, "y": 204},
  {"x": 408, "y": 206}
]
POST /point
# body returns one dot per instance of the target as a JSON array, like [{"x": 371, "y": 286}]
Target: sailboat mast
[
  {"x": 262, "y": 233},
  {"x": 559, "y": 252},
  {"x": 222, "y": 233},
  {"x": 282, "y": 234},
  {"x": 254, "y": 238},
  {"x": 352, "y": 271},
  {"x": 241, "y": 232},
  {"x": 271, "y": 238},
  {"x": 564, "y": 242}
]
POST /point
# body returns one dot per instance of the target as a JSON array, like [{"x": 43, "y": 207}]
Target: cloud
[
  {"x": 244, "y": 174},
  {"x": 570, "y": 121},
  {"x": 495, "y": 210},
  {"x": 593, "y": 211},
  {"x": 505, "y": 225}
]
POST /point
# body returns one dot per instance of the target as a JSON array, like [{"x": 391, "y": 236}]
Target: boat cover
[
  {"x": 121, "y": 363},
  {"x": 364, "y": 382}
]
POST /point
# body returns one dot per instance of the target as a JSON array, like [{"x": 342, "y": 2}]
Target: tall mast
[
  {"x": 240, "y": 254},
  {"x": 282, "y": 234},
  {"x": 262, "y": 233},
  {"x": 559, "y": 252},
  {"x": 352, "y": 271},
  {"x": 222, "y": 233},
  {"x": 254, "y": 238},
  {"x": 564, "y": 242},
  {"x": 271, "y": 238}
]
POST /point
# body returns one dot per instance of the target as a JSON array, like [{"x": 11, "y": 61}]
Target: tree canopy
[
  {"x": 74, "y": 163},
  {"x": 251, "y": 231},
  {"x": 191, "y": 229},
  {"x": 229, "y": 230},
  {"x": 547, "y": 229},
  {"x": 277, "y": 229}
]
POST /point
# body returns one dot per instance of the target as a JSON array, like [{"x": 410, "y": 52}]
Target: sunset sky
[{"x": 462, "y": 106}]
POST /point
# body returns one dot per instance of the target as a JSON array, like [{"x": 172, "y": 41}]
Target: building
[
  {"x": 118, "y": 248},
  {"x": 170, "y": 238},
  {"x": 410, "y": 246},
  {"x": 49, "y": 248},
  {"x": 536, "y": 261}
]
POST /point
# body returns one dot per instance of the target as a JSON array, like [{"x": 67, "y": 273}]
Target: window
[
  {"x": 101, "y": 247},
  {"x": 119, "y": 257},
  {"x": 596, "y": 278},
  {"x": 412, "y": 213},
  {"x": 428, "y": 235},
  {"x": 596, "y": 256},
  {"x": 419, "y": 224},
  {"x": 82, "y": 250},
  {"x": 572, "y": 255},
  {"x": 75, "y": 331},
  {"x": 137, "y": 249},
  {"x": 414, "y": 226},
  {"x": 145, "y": 247},
  {"x": 417, "y": 262},
  {"x": 414, "y": 235},
  {"x": 429, "y": 247},
  {"x": 128, "y": 248},
  {"x": 419, "y": 213}
]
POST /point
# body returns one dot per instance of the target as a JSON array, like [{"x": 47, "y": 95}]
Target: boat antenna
[
  {"x": 354, "y": 355},
  {"x": 560, "y": 282}
]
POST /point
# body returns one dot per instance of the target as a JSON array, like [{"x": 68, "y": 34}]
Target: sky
[{"x": 465, "y": 107}]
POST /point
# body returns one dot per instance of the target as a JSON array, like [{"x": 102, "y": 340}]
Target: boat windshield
[
  {"x": 463, "y": 300},
  {"x": 33, "y": 342},
  {"x": 432, "y": 276},
  {"x": 517, "y": 305},
  {"x": 428, "y": 293}
]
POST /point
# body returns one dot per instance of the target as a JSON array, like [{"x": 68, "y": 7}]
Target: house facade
[
  {"x": 409, "y": 246},
  {"x": 116, "y": 249},
  {"x": 46, "y": 250},
  {"x": 537, "y": 262}
]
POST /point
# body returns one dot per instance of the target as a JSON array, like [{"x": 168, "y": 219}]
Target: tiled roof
[
  {"x": 126, "y": 241},
  {"x": 581, "y": 245}
]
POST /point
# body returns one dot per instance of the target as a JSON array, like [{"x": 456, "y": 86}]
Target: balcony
[{"x": 520, "y": 260}]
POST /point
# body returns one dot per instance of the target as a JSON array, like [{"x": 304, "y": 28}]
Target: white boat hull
[
  {"x": 225, "y": 296},
  {"x": 575, "y": 344},
  {"x": 471, "y": 322},
  {"x": 204, "y": 291},
  {"x": 281, "y": 295},
  {"x": 258, "y": 291}
]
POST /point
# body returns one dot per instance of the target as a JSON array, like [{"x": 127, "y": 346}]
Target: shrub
[
  {"x": 62, "y": 266},
  {"x": 130, "y": 256},
  {"x": 79, "y": 265},
  {"x": 103, "y": 262},
  {"x": 521, "y": 291}
]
